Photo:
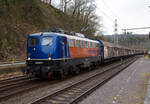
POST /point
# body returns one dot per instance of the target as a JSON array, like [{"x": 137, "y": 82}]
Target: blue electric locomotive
[{"x": 51, "y": 54}]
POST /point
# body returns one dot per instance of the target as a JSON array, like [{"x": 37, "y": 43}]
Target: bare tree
[
  {"x": 64, "y": 4},
  {"x": 83, "y": 13},
  {"x": 77, "y": 5},
  {"x": 48, "y": 1},
  {"x": 84, "y": 10}
]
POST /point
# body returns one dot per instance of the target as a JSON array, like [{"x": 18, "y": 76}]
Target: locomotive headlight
[
  {"x": 49, "y": 58},
  {"x": 29, "y": 58}
]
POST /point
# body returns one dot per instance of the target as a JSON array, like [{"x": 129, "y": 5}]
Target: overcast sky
[{"x": 130, "y": 14}]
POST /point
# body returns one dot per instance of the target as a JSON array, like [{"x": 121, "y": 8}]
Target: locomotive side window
[
  {"x": 47, "y": 41},
  {"x": 86, "y": 44},
  {"x": 77, "y": 43},
  {"x": 33, "y": 41},
  {"x": 93, "y": 45},
  {"x": 90, "y": 44},
  {"x": 71, "y": 43},
  {"x": 81, "y": 44}
]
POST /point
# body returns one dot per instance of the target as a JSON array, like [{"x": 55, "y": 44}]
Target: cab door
[
  {"x": 33, "y": 47},
  {"x": 64, "y": 47}
]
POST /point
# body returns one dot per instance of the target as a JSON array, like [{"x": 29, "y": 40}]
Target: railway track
[
  {"x": 23, "y": 86},
  {"x": 12, "y": 86},
  {"x": 75, "y": 92},
  {"x": 14, "y": 82},
  {"x": 14, "y": 79}
]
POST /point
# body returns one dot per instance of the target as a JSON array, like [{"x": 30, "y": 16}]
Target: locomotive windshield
[
  {"x": 33, "y": 41},
  {"x": 47, "y": 41}
]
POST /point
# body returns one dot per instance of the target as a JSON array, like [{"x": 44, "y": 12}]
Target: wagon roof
[{"x": 108, "y": 44}]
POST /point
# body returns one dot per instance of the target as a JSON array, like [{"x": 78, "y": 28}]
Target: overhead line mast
[{"x": 116, "y": 32}]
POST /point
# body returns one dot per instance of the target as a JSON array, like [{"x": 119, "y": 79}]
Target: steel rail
[
  {"x": 8, "y": 80},
  {"x": 12, "y": 64}
]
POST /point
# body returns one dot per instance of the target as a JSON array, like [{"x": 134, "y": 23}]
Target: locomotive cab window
[
  {"x": 33, "y": 41},
  {"x": 47, "y": 41}
]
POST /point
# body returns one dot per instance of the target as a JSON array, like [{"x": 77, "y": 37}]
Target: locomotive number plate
[{"x": 38, "y": 62}]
